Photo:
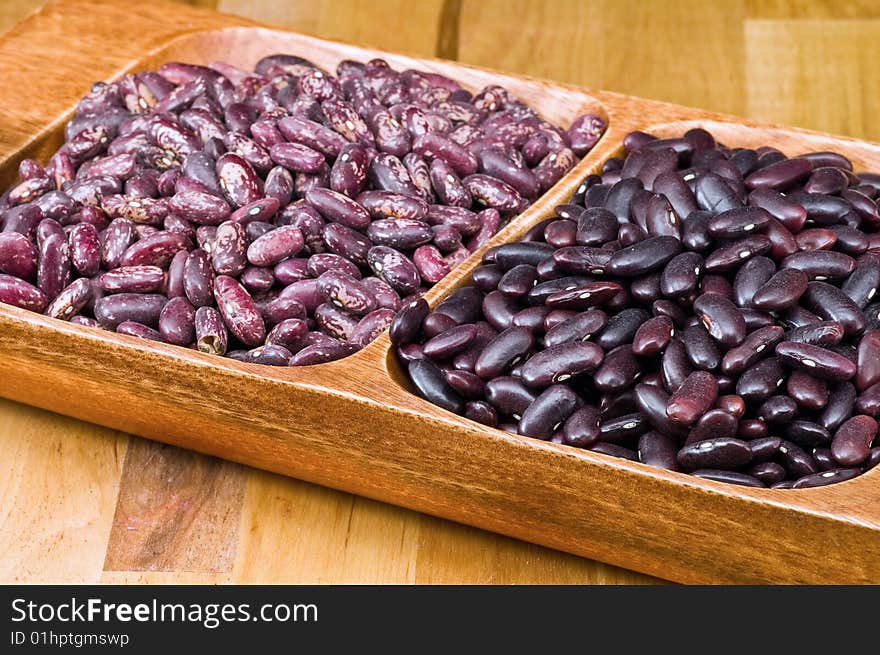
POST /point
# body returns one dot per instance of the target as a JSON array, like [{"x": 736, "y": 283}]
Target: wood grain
[
  {"x": 59, "y": 479},
  {"x": 547, "y": 37},
  {"x": 177, "y": 511}
]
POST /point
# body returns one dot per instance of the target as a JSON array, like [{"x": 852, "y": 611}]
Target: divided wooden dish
[{"x": 355, "y": 425}]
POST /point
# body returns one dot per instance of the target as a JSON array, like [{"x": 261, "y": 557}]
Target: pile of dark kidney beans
[
  {"x": 697, "y": 307},
  {"x": 279, "y": 216}
]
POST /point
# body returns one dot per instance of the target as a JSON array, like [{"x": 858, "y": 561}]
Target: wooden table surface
[{"x": 81, "y": 503}]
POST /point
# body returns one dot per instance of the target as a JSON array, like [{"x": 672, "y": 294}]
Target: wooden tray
[{"x": 353, "y": 425}]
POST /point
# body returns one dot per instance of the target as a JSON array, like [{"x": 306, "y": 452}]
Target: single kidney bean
[
  {"x": 18, "y": 256},
  {"x": 157, "y": 249},
  {"x": 238, "y": 310},
  {"x": 53, "y": 269},
  {"x": 695, "y": 396},
  {"x": 141, "y": 308},
  {"x": 719, "y": 453},
  {"x": 818, "y": 361},
  {"x": 852, "y": 440},
  {"x": 132, "y": 279},
  {"x": 70, "y": 301},
  {"x": 721, "y": 318},
  {"x": 548, "y": 411},
  {"x": 177, "y": 322},
  {"x": 430, "y": 384},
  {"x": 139, "y": 330},
  {"x": 339, "y": 208}
]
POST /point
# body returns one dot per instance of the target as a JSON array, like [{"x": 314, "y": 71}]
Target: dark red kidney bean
[
  {"x": 714, "y": 424},
  {"x": 481, "y": 412},
  {"x": 755, "y": 319},
  {"x": 754, "y": 347},
  {"x": 509, "y": 396},
  {"x": 790, "y": 214},
  {"x": 841, "y": 401},
  {"x": 110, "y": 311},
  {"x": 486, "y": 277},
  {"x": 780, "y": 175},
  {"x": 767, "y": 472},
  {"x": 681, "y": 275},
  {"x": 504, "y": 351},
  {"x": 868, "y": 360},
  {"x": 18, "y": 256},
  {"x": 580, "y": 327},
  {"x": 739, "y": 222},
  {"x": 656, "y": 449},
  {"x": 177, "y": 322},
  {"x": 815, "y": 360},
  {"x": 820, "y": 333},
  {"x": 714, "y": 194},
  {"x": 716, "y": 284},
  {"x": 850, "y": 240},
  {"x": 518, "y": 281},
  {"x": 618, "y": 370},
  {"x": 873, "y": 458},
  {"x": 646, "y": 289},
  {"x": 596, "y": 226},
  {"x": 644, "y": 257},
  {"x": 554, "y": 364},
  {"x": 465, "y": 383},
  {"x": 796, "y": 461},
  {"x": 719, "y": 453},
  {"x": 679, "y": 194},
  {"x": 651, "y": 402},
  {"x": 807, "y": 434},
  {"x": 674, "y": 365},
  {"x": 825, "y": 478},
  {"x": 619, "y": 198},
  {"x": 695, "y": 396},
  {"x": 816, "y": 239},
  {"x": 581, "y": 429},
  {"x": 832, "y": 304},
  {"x": 429, "y": 383},
  {"x": 734, "y": 254},
  {"x": 622, "y": 429},
  {"x": 863, "y": 205},
  {"x": 408, "y": 321},
  {"x": 777, "y": 409},
  {"x": 695, "y": 231},
  {"x": 653, "y": 336},
  {"x": 450, "y": 342},
  {"x": 229, "y": 255},
  {"x": 822, "y": 209},
  {"x": 852, "y": 440},
  {"x": 583, "y": 259},
  {"x": 728, "y": 477},
  {"x": 721, "y": 318},
  {"x": 764, "y": 448},
  {"x": 701, "y": 349},
  {"x": 561, "y": 233},
  {"x": 463, "y": 305},
  {"x": 862, "y": 284},
  {"x": 782, "y": 241},
  {"x": 548, "y": 411},
  {"x": 238, "y": 310},
  {"x": 823, "y": 158},
  {"x": 556, "y": 317},
  {"x": 621, "y": 328},
  {"x": 615, "y": 450},
  {"x": 760, "y": 380},
  {"x": 781, "y": 291},
  {"x": 543, "y": 290},
  {"x": 868, "y": 402},
  {"x": 749, "y": 278},
  {"x": 509, "y": 255},
  {"x": 584, "y": 296}
]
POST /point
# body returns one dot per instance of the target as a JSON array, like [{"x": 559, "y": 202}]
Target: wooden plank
[
  {"x": 820, "y": 74},
  {"x": 862, "y": 9},
  {"x": 59, "y": 479},
  {"x": 398, "y": 25},
  {"x": 177, "y": 511},
  {"x": 455, "y": 554},
  {"x": 298, "y": 533},
  {"x": 685, "y": 52}
]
